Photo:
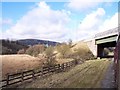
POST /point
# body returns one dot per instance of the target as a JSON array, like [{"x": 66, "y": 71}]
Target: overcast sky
[{"x": 57, "y": 21}]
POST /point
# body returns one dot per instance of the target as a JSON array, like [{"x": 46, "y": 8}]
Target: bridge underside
[
  {"x": 105, "y": 43},
  {"x": 100, "y": 49}
]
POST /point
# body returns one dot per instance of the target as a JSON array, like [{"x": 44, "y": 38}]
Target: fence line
[{"x": 33, "y": 74}]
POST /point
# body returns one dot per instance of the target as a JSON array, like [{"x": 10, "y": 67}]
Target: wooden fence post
[
  {"x": 62, "y": 66},
  {"x": 42, "y": 71},
  {"x": 49, "y": 67},
  {"x": 69, "y": 65},
  {"x": 22, "y": 78},
  {"x": 59, "y": 68},
  {"x": 33, "y": 74},
  {"x": 54, "y": 69},
  {"x": 7, "y": 79},
  {"x": 76, "y": 62},
  {"x": 66, "y": 65}
]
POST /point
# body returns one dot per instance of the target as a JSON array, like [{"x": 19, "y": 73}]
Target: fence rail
[{"x": 33, "y": 74}]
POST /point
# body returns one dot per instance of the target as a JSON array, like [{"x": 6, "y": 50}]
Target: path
[{"x": 108, "y": 81}]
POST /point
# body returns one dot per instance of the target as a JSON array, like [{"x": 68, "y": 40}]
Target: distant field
[
  {"x": 86, "y": 75},
  {"x": 17, "y": 63}
]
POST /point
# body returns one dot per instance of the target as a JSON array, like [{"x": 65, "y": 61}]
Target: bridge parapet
[{"x": 107, "y": 33}]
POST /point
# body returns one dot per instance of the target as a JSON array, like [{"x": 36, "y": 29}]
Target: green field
[{"x": 86, "y": 75}]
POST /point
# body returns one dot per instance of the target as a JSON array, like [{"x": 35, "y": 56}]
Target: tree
[
  {"x": 70, "y": 42},
  {"x": 64, "y": 50},
  {"x": 82, "y": 54},
  {"x": 5, "y": 50},
  {"x": 21, "y": 51},
  {"x": 106, "y": 51},
  {"x": 50, "y": 56},
  {"x": 35, "y": 50},
  {"x": 29, "y": 51}
]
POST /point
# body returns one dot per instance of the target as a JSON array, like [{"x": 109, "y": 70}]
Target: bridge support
[{"x": 100, "y": 51}]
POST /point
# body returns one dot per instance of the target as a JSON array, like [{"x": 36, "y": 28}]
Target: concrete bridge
[
  {"x": 109, "y": 38},
  {"x": 103, "y": 40}
]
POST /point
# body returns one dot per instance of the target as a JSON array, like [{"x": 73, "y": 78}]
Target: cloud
[
  {"x": 6, "y": 21},
  {"x": 94, "y": 23},
  {"x": 42, "y": 23},
  {"x": 91, "y": 20},
  {"x": 90, "y": 23},
  {"x": 109, "y": 23},
  {"x": 86, "y": 5},
  {"x": 82, "y": 5}
]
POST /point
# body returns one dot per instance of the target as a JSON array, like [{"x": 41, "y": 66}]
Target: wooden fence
[{"x": 33, "y": 74}]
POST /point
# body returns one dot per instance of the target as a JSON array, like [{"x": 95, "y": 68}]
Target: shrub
[
  {"x": 50, "y": 57},
  {"x": 21, "y": 51},
  {"x": 29, "y": 51},
  {"x": 70, "y": 42},
  {"x": 64, "y": 50},
  {"x": 82, "y": 54},
  {"x": 5, "y": 50},
  {"x": 106, "y": 51},
  {"x": 11, "y": 47},
  {"x": 35, "y": 50}
]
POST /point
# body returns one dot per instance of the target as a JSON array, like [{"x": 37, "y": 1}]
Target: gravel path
[{"x": 108, "y": 81}]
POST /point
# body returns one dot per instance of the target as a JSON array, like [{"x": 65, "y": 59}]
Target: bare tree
[
  {"x": 64, "y": 50},
  {"x": 70, "y": 42},
  {"x": 50, "y": 56},
  {"x": 35, "y": 50}
]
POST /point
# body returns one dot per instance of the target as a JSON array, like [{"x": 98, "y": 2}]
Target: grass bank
[{"x": 86, "y": 75}]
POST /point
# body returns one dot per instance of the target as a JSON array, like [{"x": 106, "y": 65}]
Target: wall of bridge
[{"x": 92, "y": 46}]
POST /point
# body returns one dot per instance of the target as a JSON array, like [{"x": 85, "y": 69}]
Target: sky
[{"x": 57, "y": 21}]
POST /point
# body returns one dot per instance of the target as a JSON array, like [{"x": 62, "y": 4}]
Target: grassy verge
[
  {"x": 91, "y": 76},
  {"x": 86, "y": 75}
]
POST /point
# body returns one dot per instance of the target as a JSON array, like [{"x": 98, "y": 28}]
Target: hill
[
  {"x": 81, "y": 44},
  {"x": 11, "y": 47},
  {"x": 37, "y": 41}
]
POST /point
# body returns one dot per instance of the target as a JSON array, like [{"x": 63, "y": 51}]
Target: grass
[
  {"x": 17, "y": 63},
  {"x": 91, "y": 76},
  {"x": 60, "y": 61},
  {"x": 86, "y": 75}
]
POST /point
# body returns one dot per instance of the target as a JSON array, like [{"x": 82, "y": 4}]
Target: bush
[
  {"x": 70, "y": 43},
  {"x": 64, "y": 50},
  {"x": 50, "y": 57},
  {"x": 11, "y": 47},
  {"x": 106, "y": 51},
  {"x": 82, "y": 54},
  {"x": 49, "y": 51},
  {"x": 21, "y": 51},
  {"x": 35, "y": 50},
  {"x": 5, "y": 50}
]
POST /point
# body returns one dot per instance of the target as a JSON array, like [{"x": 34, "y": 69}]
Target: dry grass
[
  {"x": 17, "y": 63},
  {"x": 60, "y": 61},
  {"x": 86, "y": 75},
  {"x": 81, "y": 44}
]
